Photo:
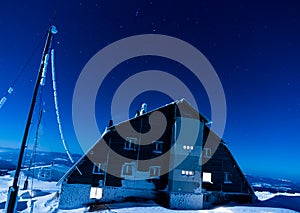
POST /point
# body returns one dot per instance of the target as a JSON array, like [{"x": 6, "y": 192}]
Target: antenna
[{"x": 10, "y": 205}]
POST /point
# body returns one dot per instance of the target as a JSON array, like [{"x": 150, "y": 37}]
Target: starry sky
[{"x": 254, "y": 47}]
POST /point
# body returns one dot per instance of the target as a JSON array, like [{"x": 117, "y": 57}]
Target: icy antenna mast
[
  {"x": 10, "y": 205},
  {"x": 56, "y": 108}
]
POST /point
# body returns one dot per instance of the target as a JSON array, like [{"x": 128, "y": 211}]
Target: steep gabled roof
[{"x": 186, "y": 110}]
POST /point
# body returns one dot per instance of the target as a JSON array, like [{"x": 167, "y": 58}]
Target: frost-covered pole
[
  {"x": 56, "y": 108},
  {"x": 10, "y": 205}
]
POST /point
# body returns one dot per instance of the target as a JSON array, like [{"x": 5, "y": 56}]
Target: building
[
  {"x": 52, "y": 172},
  {"x": 181, "y": 163}
]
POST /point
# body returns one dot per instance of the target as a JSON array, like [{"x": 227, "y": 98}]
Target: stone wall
[
  {"x": 78, "y": 195},
  {"x": 74, "y": 195},
  {"x": 185, "y": 201}
]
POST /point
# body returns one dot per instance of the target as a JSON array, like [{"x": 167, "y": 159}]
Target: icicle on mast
[{"x": 56, "y": 108}]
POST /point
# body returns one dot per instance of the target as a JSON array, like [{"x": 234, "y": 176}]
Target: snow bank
[
  {"x": 262, "y": 196},
  {"x": 159, "y": 209},
  {"x": 5, "y": 183},
  {"x": 246, "y": 209}
]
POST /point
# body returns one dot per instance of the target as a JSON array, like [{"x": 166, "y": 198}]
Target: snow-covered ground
[
  {"x": 44, "y": 198},
  {"x": 41, "y": 194}
]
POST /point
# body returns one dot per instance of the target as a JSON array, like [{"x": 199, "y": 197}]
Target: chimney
[{"x": 143, "y": 109}]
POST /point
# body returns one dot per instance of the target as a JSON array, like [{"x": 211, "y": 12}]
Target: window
[
  {"x": 154, "y": 171},
  {"x": 187, "y": 147},
  {"x": 127, "y": 169},
  {"x": 207, "y": 152},
  {"x": 99, "y": 168},
  {"x": 157, "y": 147},
  {"x": 227, "y": 177},
  {"x": 96, "y": 193},
  {"x": 130, "y": 144},
  {"x": 207, "y": 177},
  {"x": 187, "y": 173}
]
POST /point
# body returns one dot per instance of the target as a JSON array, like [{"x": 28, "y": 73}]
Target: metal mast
[{"x": 10, "y": 205}]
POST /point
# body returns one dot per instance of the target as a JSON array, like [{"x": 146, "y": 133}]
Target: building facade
[{"x": 165, "y": 155}]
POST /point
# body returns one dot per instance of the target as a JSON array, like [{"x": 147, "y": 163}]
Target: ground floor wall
[
  {"x": 185, "y": 201},
  {"x": 118, "y": 194},
  {"x": 74, "y": 195},
  {"x": 211, "y": 199},
  {"x": 78, "y": 195}
]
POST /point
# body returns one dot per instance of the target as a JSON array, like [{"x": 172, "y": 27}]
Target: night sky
[{"x": 254, "y": 47}]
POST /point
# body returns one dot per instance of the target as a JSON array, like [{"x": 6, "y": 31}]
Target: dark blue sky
[{"x": 253, "y": 46}]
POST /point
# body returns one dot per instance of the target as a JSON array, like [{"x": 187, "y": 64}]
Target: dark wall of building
[
  {"x": 225, "y": 172},
  {"x": 86, "y": 177},
  {"x": 143, "y": 150}
]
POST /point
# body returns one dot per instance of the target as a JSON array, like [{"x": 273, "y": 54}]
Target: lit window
[
  {"x": 157, "y": 147},
  {"x": 207, "y": 177},
  {"x": 187, "y": 173},
  {"x": 227, "y": 177},
  {"x": 187, "y": 147},
  {"x": 207, "y": 152},
  {"x": 96, "y": 193},
  {"x": 127, "y": 169},
  {"x": 130, "y": 144},
  {"x": 154, "y": 171},
  {"x": 99, "y": 168}
]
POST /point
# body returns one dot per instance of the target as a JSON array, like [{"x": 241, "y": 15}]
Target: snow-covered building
[
  {"x": 52, "y": 172},
  {"x": 180, "y": 163}
]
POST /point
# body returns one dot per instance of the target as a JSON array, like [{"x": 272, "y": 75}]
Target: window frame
[
  {"x": 130, "y": 143},
  {"x": 207, "y": 152},
  {"x": 100, "y": 170},
  {"x": 96, "y": 193},
  {"x": 158, "y": 147},
  {"x": 125, "y": 167},
  {"x": 156, "y": 172},
  {"x": 205, "y": 178},
  {"x": 227, "y": 177}
]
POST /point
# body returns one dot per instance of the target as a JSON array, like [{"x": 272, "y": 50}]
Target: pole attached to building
[{"x": 10, "y": 205}]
